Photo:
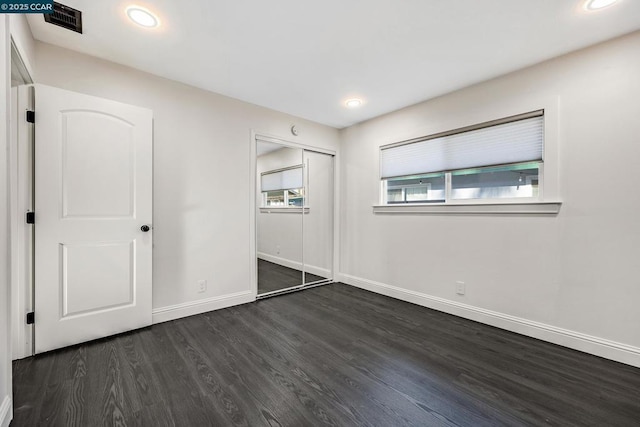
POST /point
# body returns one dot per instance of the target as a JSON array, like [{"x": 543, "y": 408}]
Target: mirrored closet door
[
  {"x": 317, "y": 230},
  {"x": 294, "y": 218}
]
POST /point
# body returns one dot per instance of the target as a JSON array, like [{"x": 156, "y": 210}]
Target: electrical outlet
[
  {"x": 202, "y": 286},
  {"x": 460, "y": 288}
]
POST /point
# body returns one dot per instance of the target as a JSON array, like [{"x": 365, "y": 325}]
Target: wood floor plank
[
  {"x": 53, "y": 404},
  {"x": 567, "y": 377},
  {"x": 347, "y": 386},
  {"x": 286, "y": 360},
  {"x": 520, "y": 379},
  {"x": 332, "y": 355},
  {"x": 268, "y": 357},
  {"x": 185, "y": 404},
  {"x": 275, "y": 406},
  {"x": 342, "y": 336},
  {"x": 207, "y": 380}
]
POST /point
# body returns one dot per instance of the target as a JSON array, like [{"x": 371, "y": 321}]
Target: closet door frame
[{"x": 266, "y": 137}]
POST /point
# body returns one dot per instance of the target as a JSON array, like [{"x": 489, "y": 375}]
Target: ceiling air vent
[{"x": 66, "y": 17}]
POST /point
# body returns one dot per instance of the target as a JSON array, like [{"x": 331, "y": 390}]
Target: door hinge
[
  {"x": 31, "y": 217},
  {"x": 31, "y": 116},
  {"x": 31, "y": 318}
]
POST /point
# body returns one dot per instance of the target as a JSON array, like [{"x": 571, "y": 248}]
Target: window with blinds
[
  {"x": 283, "y": 187},
  {"x": 502, "y": 159}
]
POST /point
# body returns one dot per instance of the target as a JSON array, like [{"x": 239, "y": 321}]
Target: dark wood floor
[
  {"x": 333, "y": 355},
  {"x": 274, "y": 277}
]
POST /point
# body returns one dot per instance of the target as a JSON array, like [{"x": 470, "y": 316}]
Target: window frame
[
  {"x": 285, "y": 199},
  {"x": 538, "y": 197},
  {"x": 546, "y": 202},
  {"x": 449, "y": 200},
  {"x": 403, "y": 188}
]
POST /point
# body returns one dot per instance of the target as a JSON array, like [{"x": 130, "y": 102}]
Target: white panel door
[{"x": 93, "y": 195}]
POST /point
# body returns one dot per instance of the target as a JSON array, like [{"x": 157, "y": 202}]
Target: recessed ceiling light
[
  {"x": 142, "y": 17},
  {"x": 353, "y": 103},
  {"x": 598, "y": 4}
]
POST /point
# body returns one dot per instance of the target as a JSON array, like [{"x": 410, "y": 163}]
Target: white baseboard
[
  {"x": 318, "y": 271},
  {"x": 5, "y": 412},
  {"x": 172, "y": 312},
  {"x": 578, "y": 341}
]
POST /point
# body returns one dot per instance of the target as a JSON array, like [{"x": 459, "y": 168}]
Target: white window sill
[
  {"x": 536, "y": 208},
  {"x": 284, "y": 209}
]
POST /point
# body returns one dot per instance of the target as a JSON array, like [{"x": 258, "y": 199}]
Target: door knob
[{"x": 145, "y": 228}]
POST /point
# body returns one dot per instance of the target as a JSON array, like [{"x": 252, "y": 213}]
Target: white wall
[
  {"x": 5, "y": 297},
  {"x": 202, "y": 192},
  {"x": 23, "y": 39},
  {"x": 573, "y": 278}
]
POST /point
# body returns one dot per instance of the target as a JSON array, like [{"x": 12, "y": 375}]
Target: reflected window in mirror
[
  {"x": 293, "y": 197},
  {"x": 283, "y": 187}
]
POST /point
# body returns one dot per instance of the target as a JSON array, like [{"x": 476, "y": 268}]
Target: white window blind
[
  {"x": 282, "y": 180},
  {"x": 512, "y": 142}
]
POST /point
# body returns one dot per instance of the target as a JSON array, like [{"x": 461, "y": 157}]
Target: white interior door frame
[
  {"x": 20, "y": 165},
  {"x": 253, "y": 252},
  {"x": 21, "y": 202},
  {"x": 21, "y": 233}
]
